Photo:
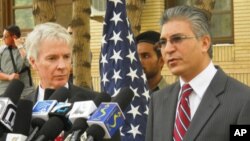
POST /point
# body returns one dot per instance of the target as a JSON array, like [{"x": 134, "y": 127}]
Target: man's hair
[
  {"x": 151, "y": 37},
  {"x": 69, "y": 25},
  {"x": 46, "y": 31},
  {"x": 197, "y": 18},
  {"x": 14, "y": 30}
]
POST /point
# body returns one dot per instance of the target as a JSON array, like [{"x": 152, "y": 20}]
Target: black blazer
[{"x": 89, "y": 94}]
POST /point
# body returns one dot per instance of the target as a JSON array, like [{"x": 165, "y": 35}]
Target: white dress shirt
[
  {"x": 41, "y": 91},
  {"x": 199, "y": 85}
]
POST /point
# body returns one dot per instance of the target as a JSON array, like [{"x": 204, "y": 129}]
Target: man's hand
[
  {"x": 22, "y": 51},
  {"x": 19, "y": 43},
  {"x": 13, "y": 76}
]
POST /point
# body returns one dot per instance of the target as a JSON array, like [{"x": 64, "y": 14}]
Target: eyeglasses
[{"x": 174, "y": 40}]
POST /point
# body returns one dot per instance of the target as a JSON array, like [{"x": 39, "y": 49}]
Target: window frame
[
  {"x": 229, "y": 39},
  {"x": 8, "y": 16},
  {"x": 216, "y": 40}
]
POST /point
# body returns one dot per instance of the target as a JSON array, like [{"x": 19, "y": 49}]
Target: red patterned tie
[{"x": 183, "y": 117}]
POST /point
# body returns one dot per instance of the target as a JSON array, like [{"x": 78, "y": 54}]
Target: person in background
[
  {"x": 151, "y": 59},
  {"x": 13, "y": 61},
  {"x": 205, "y": 101},
  {"x": 69, "y": 29},
  {"x": 49, "y": 48}
]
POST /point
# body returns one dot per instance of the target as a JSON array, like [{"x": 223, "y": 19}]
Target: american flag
[{"x": 120, "y": 67}]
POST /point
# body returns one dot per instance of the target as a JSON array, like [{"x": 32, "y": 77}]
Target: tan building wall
[{"x": 233, "y": 58}]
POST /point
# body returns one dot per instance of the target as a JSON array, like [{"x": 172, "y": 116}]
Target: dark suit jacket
[
  {"x": 226, "y": 101},
  {"x": 89, "y": 95}
]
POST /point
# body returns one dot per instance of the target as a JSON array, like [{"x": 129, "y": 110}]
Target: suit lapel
[
  {"x": 71, "y": 89},
  {"x": 34, "y": 96},
  {"x": 170, "y": 102},
  {"x": 208, "y": 105}
]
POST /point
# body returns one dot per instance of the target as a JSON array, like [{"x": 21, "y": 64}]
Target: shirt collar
[
  {"x": 162, "y": 84},
  {"x": 42, "y": 90},
  {"x": 201, "y": 82}
]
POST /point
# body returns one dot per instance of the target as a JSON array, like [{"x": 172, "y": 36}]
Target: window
[
  {"x": 19, "y": 12},
  {"x": 221, "y": 20},
  {"x": 98, "y": 8},
  {"x": 22, "y": 14}
]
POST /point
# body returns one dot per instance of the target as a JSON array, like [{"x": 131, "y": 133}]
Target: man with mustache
[{"x": 205, "y": 101}]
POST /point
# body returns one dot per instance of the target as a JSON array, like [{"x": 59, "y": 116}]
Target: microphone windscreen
[
  {"x": 123, "y": 98},
  {"x": 102, "y": 97},
  {"x": 80, "y": 124},
  {"x": 23, "y": 117},
  {"x": 14, "y": 90},
  {"x": 83, "y": 96},
  {"x": 3, "y": 136},
  {"x": 48, "y": 92},
  {"x": 37, "y": 122},
  {"x": 52, "y": 128},
  {"x": 96, "y": 132},
  {"x": 60, "y": 94},
  {"x": 78, "y": 97}
]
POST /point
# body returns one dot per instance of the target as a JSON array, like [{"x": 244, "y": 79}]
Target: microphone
[
  {"x": 60, "y": 94},
  {"x": 3, "y": 136},
  {"x": 50, "y": 129},
  {"x": 60, "y": 115},
  {"x": 8, "y": 107},
  {"x": 79, "y": 96},
  {"x": 22, "y": 121},
  {"x": 14, "y": 90},
  {"x": 83, "y": 109},
  {"x": 36, "y": 124},
  {"x": 108, "y": 118},
  {"x": 42, "y": 108},
  {"x": 58, "y": 121},
  {"x": 40, "y": 113},
  {"x": 48, "y": 92},
  {"x": 81, "y": 112}
]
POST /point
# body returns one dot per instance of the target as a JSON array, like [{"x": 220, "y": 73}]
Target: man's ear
[
  {"x": 32, "y": 62},
  {"x": 206, "y": 43}
]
